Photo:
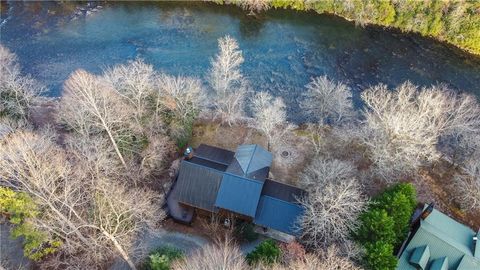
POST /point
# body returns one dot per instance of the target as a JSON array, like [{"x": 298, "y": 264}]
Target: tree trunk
[
  {"x": 120, "y": 250},
  {"x": 117, "y": 150}
]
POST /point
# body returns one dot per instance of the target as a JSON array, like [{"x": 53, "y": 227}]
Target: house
[
  {"x": 438, "y": 242},
  {"x": 217, "y": 181}
]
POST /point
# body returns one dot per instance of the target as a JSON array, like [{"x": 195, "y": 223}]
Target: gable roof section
[
  {"x": 445, "y": 237},
  {"x": 238, "y": 194},
  {"x": 278, "y": 214},
  {"x": 197, "y": 185},
  {"x": 250, "y": 161},
  {"x": 214, "y": 154},
  {"x": 440, "y": 264},
  {"x": 420, "y": 257}
]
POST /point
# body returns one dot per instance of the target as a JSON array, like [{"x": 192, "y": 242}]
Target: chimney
[
  {"x": 427, "y": 211},
  {"x": 188, "y": 154},
  {"x": 476, "y": 245}
]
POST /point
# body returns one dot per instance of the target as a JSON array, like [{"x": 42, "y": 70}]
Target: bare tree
[
  {"x": 403, "y": 127},
  {"x": 223, "y": 255},
  {"x": 92, "y": 216},
  {"x": 328, "y": 101},
  {"x": 325, "y": 259},
  {"x": 467, "y": 186},
  {"x": 323, "y": 171},
  {"x": 135, "y": 82},
  {"x": 270, "y": 117},
  {"x": 17, "y": 92},
  {"x": 90, "y": 106},
  {"x": 333, "y": 204},
  {"x": 182, "y": 97},
  {"x": 228, "y": 84},
  {"x": 121, "y": 213}
]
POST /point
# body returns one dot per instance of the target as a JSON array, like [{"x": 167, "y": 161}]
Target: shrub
[
  {"x": 377, "y": 225},
  {"x": 245, "y": 231},
  {"x": 18, "y": 207},
  {"x": 399, "y": 202},
  {"x": 266, "y": 253},
  {"x": 379, "y": 256},
  {"x": 385, "y": 225},
  {"x": 162, "y": 258}
]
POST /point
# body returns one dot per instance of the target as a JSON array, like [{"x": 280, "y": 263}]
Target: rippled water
[{"x": 283, "y": 49}]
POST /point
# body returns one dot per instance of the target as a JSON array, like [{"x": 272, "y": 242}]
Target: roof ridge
[
  {"x": 251, "y": 158},
  {"x": 244, "y": 178},
  {"x": 199, "y": 165}
]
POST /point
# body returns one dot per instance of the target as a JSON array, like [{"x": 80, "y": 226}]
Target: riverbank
[{"x": 454, "y": 22}]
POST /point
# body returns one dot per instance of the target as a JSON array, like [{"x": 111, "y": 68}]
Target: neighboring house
[
  {"x": 215, "y": 180},
  {"x": 438, "y": 242}
]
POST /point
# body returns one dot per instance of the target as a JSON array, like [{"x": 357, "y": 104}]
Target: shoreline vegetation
[{"x": 452, "y": 21}]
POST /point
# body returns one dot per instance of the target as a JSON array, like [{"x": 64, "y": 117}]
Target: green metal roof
[
  {"x": 440, "y": 264},
  {"x": 444, "y": 237},
  {"x": 420, "y": 257}
]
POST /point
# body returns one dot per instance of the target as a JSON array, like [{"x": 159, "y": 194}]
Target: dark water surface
[{"x": 282, "y": 49}]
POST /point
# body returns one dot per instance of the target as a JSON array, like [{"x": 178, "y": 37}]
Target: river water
[{"x": 283, "y": 49}]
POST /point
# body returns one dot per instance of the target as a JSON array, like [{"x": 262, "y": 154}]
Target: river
[{"x": 283, "y": 49}]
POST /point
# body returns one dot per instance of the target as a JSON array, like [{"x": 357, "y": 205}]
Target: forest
[{"x": 83, "y": 176}]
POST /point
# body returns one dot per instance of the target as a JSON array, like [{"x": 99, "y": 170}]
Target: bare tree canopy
[
  {"x": 182, "y": 98},
  {"x": 333, "y": 205},
  {"x": 467, "y": 186},
  {"x": 328, "y": 101},
  {"x": 223, "y": 255},
  {"x": 228, "y": 84},
  {"x": 93, "y": 216},
  {"x": 135, "y": 82},
  {"x": 325, "y": 259},
  {"x": 323, "y": 171},
  {"x": 270, "y": 117},
  {"x": 91, "y": 106},
  {"x": 17, "y": 92},
  {"x": 403, "y": 127}
]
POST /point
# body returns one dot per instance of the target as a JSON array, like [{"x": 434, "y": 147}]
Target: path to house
[
  {"x": 11, "y": 252},
  {"x": 183, "y": 241},
  {"x": 152, "y": 240}
]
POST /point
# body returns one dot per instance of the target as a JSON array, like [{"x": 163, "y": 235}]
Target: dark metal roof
[
  {"x": 278, "y": 215},
  {"x": 239, "y": 194},
  {"x": 208, "y": 163},
  {"x": 214, "y": 154},
  {"x": 197, "y": 185},
  {"x": 282, "y": 191}
]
